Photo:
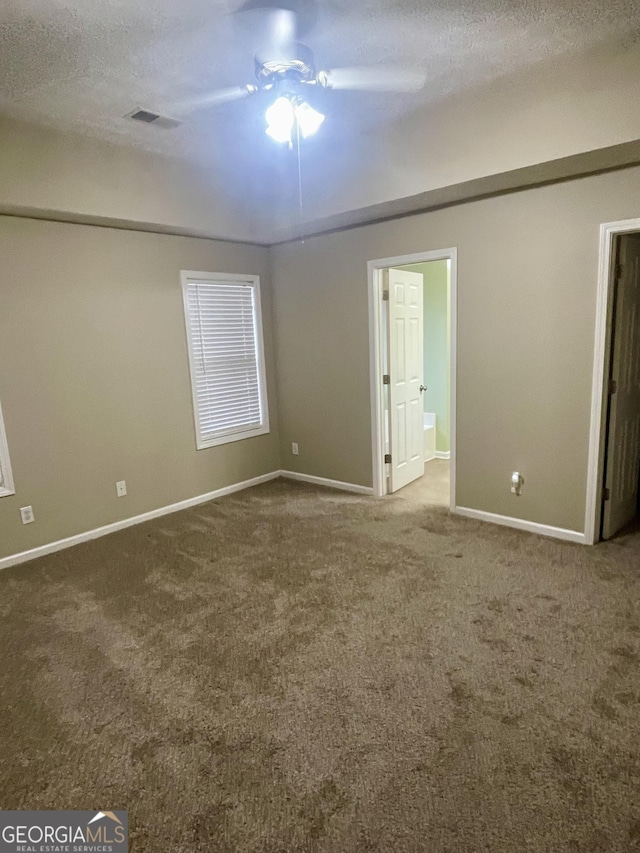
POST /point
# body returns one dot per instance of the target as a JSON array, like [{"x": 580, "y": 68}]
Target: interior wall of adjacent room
[
  {"x": 94, "y": 376},
  {"x": 527, "y": 275},
  {"x": 436, "y": 346}
]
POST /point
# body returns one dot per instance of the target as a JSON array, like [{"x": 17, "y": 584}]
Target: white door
[
  {"x": 623, "y": 447},
  {"x": 406, "y": 422}
]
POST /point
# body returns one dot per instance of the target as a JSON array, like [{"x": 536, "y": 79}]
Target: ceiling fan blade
[
  {"x": 212, "y": 99},
  {"x": 387, "y": 78}
]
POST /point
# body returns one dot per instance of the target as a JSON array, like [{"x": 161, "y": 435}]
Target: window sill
[{"x": 227, "y": 439}]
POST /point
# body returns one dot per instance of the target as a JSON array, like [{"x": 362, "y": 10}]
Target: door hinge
[
  {"x": 387, "y": 458},
  {"x": 613, "y": 387},
  {"x": 386, "y": 379},
  {"x": 620, "y": 270},
  {"x": 606, "y": 494},
  {"x": 385, "y": 295}
]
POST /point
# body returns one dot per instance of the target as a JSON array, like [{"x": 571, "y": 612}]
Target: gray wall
[
  {"x": 94, "y": 376},
  {"x": 527, "y": 270}
]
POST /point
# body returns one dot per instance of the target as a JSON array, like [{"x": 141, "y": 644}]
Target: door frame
[
  {"x": 609, "y": 232},
  {"x": 376, "y": 344}
]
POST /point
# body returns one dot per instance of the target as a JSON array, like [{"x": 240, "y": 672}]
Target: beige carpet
[{"x": 294, "y": 669}]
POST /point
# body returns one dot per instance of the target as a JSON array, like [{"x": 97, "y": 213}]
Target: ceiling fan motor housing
[{"x": 297, "y": 67}]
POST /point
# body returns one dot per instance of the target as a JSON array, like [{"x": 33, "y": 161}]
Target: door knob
[{"x": 423, "y": 387}]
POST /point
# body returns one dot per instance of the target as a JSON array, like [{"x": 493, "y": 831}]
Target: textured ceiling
[{"x": 84, "y": 64}]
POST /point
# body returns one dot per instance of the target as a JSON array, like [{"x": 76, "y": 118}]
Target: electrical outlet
[
  {"x": 121, "y": 488},
  {"x": 26, "y": 514},
  {"x": 294, "y": 448}
]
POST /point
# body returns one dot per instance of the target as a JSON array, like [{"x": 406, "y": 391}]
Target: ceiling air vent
[{"x": 147, "y": 117}]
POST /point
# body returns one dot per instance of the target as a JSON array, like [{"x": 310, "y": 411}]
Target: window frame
[
  {"x": 5, "y": 464},
  {"x": 188, "y": 277}
]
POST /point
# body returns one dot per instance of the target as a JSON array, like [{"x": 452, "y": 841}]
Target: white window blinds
[
  {"x": 224, "y": 331},
  {"x": 6, "y": 480}
]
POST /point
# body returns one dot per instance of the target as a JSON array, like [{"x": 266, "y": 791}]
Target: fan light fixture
[{"x": 287, "y": 111}]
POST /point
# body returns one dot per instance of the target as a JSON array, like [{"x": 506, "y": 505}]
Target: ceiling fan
[{"x": 286, "y": 68}]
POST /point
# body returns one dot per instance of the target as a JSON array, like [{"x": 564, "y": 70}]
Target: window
[
  {"x": 6, "y": 480},
  {"x": 226, "y": 357}
]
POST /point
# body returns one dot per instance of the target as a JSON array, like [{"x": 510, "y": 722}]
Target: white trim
[
  {"x": 376, "y": 370},
  {"x": 601, "y": 355},
  {"x": 374, "y": 275},
  {"x": 5, "y": 463},
  {"x": 323, "y": 481},
  {"x": 51, "y": 547},
  {"x": 443, "y": 454},
  {"x": 522, "y": 524},
  {"x": 453, "y": 375},
  {"x": 187, "y": 277}
]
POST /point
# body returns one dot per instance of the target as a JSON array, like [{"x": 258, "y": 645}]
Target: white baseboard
[
  {"x": 443, "y": 454},
  {"x": 323, "y": 481},
  {"x": 70, "y": 541},
  {"x": 51, "y": 547},
  {"x": 522, "y": 524}
]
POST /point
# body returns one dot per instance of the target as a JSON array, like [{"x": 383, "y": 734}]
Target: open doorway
[
  {"x": 412, "y": 337},
  {"x": 613, "y": 502}
]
